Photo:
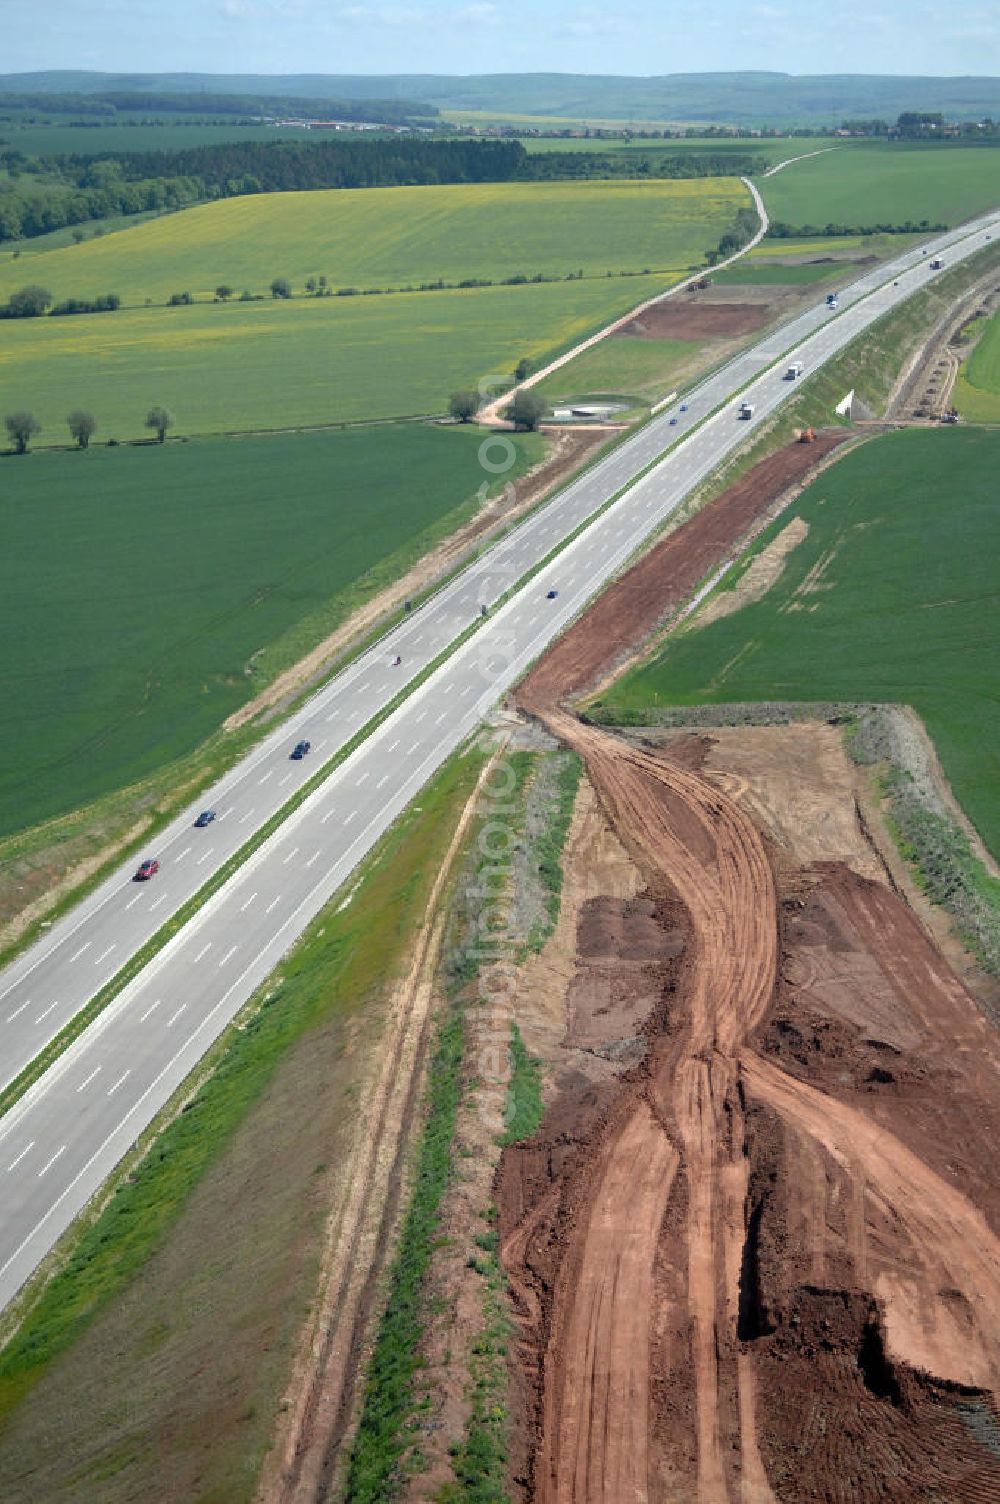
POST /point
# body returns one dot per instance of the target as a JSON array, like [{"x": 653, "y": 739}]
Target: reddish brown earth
[
  {"x": 695, "y": 319},
  {"x": 762, "y": 1263},
  {"x": 623, "y": 617}
]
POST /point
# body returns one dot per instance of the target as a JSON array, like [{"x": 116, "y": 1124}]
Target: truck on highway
[
  {"x": 936, "y": 264},
  {"x": 746, "y": 409},
  {"x": 794, "y": 370},
  {"x": 832, "y": 300}
]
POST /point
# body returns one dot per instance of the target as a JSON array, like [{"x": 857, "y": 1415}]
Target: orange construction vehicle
[{"x": 807, "y": 436}]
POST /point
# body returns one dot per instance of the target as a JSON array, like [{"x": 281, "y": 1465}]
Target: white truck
[
  {"x": 936, "y": 264},
  {"x": 746, "y": 409},
  {"x": 832, "y": 300},
  {"x": 794, "y": 371}
]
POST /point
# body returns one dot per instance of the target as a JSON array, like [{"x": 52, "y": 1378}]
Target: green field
[
  {"x": 878, "y": 183},
  {"x": 977, "y": 391},
  {"x": 310, "y": 361},
  {"x": 848, "y": 246},
  {"x": 624, "y": 365},
  {"x": 777, "y": 273},
  {"x": 398, "y": 237},
  {"x": 894, "y": 595},
  {"x": 136, "y": 585},
  {"x": 61, "y": 139}
]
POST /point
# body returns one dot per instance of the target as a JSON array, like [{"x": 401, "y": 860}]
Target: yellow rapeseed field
[{"x": 392, "y": 237}]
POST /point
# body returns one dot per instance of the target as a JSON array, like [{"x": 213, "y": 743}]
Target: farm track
[{"x": 764, "y": 1269}]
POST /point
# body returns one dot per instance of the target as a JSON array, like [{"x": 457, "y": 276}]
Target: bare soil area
[
  {"x": 697, "y": 318},
  {"x": 786, "y": 1208}
]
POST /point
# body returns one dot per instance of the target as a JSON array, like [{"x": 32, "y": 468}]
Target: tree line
[
  {"x": 22, "y": 426},
  {"x": 50, "y": 203},
  {"x": 779, "y": 230},
  {"x": 32, "y": 302}
]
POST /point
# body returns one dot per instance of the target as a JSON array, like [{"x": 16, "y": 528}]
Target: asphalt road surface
[{"x": 67, "y": 1133}]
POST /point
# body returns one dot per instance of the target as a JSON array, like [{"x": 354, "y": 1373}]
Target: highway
[{"x": 67, "y": 1133}]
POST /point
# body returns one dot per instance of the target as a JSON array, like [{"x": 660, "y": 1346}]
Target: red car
[{"x": 147, "y": 869}]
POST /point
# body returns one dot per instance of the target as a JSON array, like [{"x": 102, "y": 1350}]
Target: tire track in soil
[{"x": 595, "y": 1418}]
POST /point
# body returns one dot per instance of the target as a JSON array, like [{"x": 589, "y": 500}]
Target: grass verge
[
  {"x": 479, "y": 1460},
  {"x": 383, "y": 1436}
]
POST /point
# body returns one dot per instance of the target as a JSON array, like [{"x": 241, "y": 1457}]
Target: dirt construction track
[{"x": 762, "y": 1265}]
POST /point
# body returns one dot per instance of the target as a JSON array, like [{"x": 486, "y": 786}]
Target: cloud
[
  {"x": 480, "y": 13},
  {"x": 592, "y": 21},
  {"x": 379, "y": 16}
]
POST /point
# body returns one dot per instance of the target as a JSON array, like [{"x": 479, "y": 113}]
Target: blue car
[
  {"x": 205, "y": 818},
  {"x": 299, "y": 750},
  {"x": 551, "y": 595}
]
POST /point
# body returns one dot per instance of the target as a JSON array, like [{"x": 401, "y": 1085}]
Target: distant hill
[{"x": 752, "y": 99}]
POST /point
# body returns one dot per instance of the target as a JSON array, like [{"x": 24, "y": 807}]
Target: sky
[{"x": 497, "y": 36}]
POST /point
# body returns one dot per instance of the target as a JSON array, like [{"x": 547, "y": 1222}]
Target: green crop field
[
  {"x": 767, "y": 273},
  {"x": 398, "y": 237},
  {"x": 977, "y": 391},
  {"x": 62, "y": 139},
  {"x": 849, "y": 247},
  {"x": 136, "y": 584},
  {"x": 894, "y": 595},
  {"x": 878, "y": 183},
  {"x": 310, "y": 361}
]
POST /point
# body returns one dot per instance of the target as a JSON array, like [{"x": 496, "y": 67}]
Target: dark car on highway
[
  {"x": 147, "y": 869},
  {"x": 551, "y": 595},
  {"x": 299, "y": 750},
  {"x": 205, "y": 818}
]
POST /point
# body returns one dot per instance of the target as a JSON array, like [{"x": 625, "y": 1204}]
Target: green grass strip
[
  {"x": 375, "y": 1473},
  {"x": 524, "y": 1094}
]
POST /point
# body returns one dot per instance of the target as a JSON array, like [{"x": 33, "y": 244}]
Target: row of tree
[
  {"x": 779, "y": 230},
  {"x": 32, "y": 302},
  {"x": 22, "y": 426}
]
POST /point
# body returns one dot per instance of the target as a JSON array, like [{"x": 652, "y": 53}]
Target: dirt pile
[{"x": 696, "y": 318}]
